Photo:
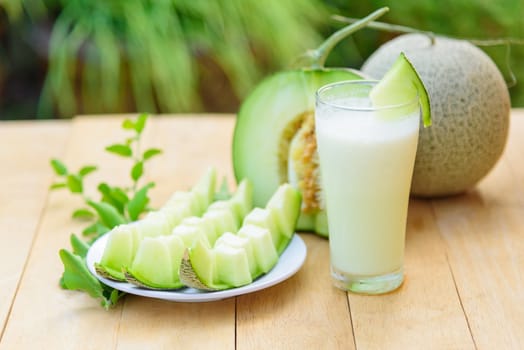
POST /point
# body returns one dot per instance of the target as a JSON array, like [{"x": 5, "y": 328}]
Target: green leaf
[
  {"x": 76, "y": 276},
  {"x": 112, "y": 295},
  {"x": 115, "y": 196},
  {"x": 58, "y": 167},
  {"x": 87, "y": 170},
  {"x": 80, "y": 247},
  {"x": 128, "y": 124},
  {"x": 141, "y": 123},
  {"x": 105, "y": 190},
  {"x": 109, "y": 215},
  {"x": 223, "y": 193},
  {"x": 58, "y": 185},
  {"x": 62, "y": 283},
  {"x": 130, "y": 140},
  {"x": 119, "y": 194},
  {"x": 151, "y": 153},
  {"x": 139, "y": 202},
  {"x": 121, "y": 150},
  {"x": 97, "y": 229},
  {"x": 74, "y": 183},
  {"x": 137, "y": 171},
  {"x": 85, "y": 214}
]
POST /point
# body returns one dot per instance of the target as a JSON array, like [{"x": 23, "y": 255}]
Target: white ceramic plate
[{"x": 288, "y": 264}]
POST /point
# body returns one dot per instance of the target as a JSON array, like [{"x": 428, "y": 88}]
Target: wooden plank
[
  {"x": 483, "y": 232},
  {"x": 485, "y": 251},
  {"x": 190, "y": 146},
  {"x": 304, "y": 312},
  {"x": 43, "y": 313},
  {"x": 25, "y": 176},
  {"x": 464, "y": 262},
  {"x": 507, "y": 176},
  {"x": 514, "y": 155},
  {"x": 157, "y": 324},
  {"x": 426, "y": 311},
  {"x": 149, "y": 323},
  {"x": 141, "y": 323}
]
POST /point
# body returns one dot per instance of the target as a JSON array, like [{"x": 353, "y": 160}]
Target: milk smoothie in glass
[{"x": 366, "y": 159}]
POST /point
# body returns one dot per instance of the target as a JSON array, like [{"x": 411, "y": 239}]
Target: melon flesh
[
  {"x": 238, "y": 259},
  {"x": 221, "y": 221},
  {"x": 470, "y": 108},
  {"x": 266, "y": 219},
  {"x": 156, "y": 263},
  {"x": 236, "y": 241},
  {"x": 264, "y": 251}
]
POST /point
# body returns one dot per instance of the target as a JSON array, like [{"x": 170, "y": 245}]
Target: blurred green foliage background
[{"x": 59, "y": 58}]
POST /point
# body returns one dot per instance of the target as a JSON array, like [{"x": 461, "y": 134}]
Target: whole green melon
[{"x": 470, "y": 108}]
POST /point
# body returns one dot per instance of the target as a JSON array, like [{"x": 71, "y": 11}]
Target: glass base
[{"x": 367, "y": 284}]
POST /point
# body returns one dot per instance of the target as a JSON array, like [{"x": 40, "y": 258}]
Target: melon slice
[
  {"x": 120, "y": 251},
  {"x": 176, "y": 212},
  {"x": 199, "y": 233},
  {"x": 239, "y": 204},
  {"x": 285, "y": 204},
  {"x": 203, "y": 225},
  {"x": 399, "y": 83},
  {"x": 253, "y": 249},
  {"x": 164, "y": 251},
  {"x": 188, "y": 199},
  {"x": 237, "y": 241},
  {"x": 242, "y": 200},
  {"x": 205, "y": 190},
  {"x": 231, "y": 266},
  {"x": 265, "y": 218},
  {"x": 189, "y": 234},
  {"x": 234, "y": 261},
  {"x": 220, "y": 220},
  {"x": 155, "y": 223},
  {"x": 199, "y": 272},
  {"x": 265, "y": 254}
]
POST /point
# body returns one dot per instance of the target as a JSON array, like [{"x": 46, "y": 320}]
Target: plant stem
[
  {"x": 395, "y": 28},
  {"x": 137, "y": 158},
  {"x": 496, "y": 41},
  {"x": 507, "y": 41},
  {"x": 322, "y": 52}
]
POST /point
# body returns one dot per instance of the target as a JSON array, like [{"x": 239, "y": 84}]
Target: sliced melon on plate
[
  {"x": 265, "y": 218},
  {"x": 253, "y": 253},
  {"x": 266, "y": 256},
  {"x": 156, "y": 263}
]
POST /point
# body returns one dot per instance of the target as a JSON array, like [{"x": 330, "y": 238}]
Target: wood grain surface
[{"x": 464, "y": 285}]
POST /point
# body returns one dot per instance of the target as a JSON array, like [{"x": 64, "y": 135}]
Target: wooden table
[{"x": 464, "y": 258}]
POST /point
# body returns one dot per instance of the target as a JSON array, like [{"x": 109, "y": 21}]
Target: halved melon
[{"x": 267, "y": 123}]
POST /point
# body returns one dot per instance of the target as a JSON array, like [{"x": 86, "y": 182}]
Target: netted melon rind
[{"x": 470, "y": 107}]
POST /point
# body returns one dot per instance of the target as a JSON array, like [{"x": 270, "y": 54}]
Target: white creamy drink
[{"x": 366, "y": 166}]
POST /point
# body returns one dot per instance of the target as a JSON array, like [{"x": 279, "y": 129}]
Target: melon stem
[
  {"x": 394, "y": 28},
  {"x": 321, "y": 54}
]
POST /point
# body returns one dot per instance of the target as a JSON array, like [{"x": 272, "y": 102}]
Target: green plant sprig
[{"x": 117, "y": 205}]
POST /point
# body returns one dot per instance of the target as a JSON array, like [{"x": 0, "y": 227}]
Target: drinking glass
[{"x": 366, "y": 156}]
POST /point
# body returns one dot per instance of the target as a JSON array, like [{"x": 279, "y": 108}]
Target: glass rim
[{"x": 319, "y": 99}]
